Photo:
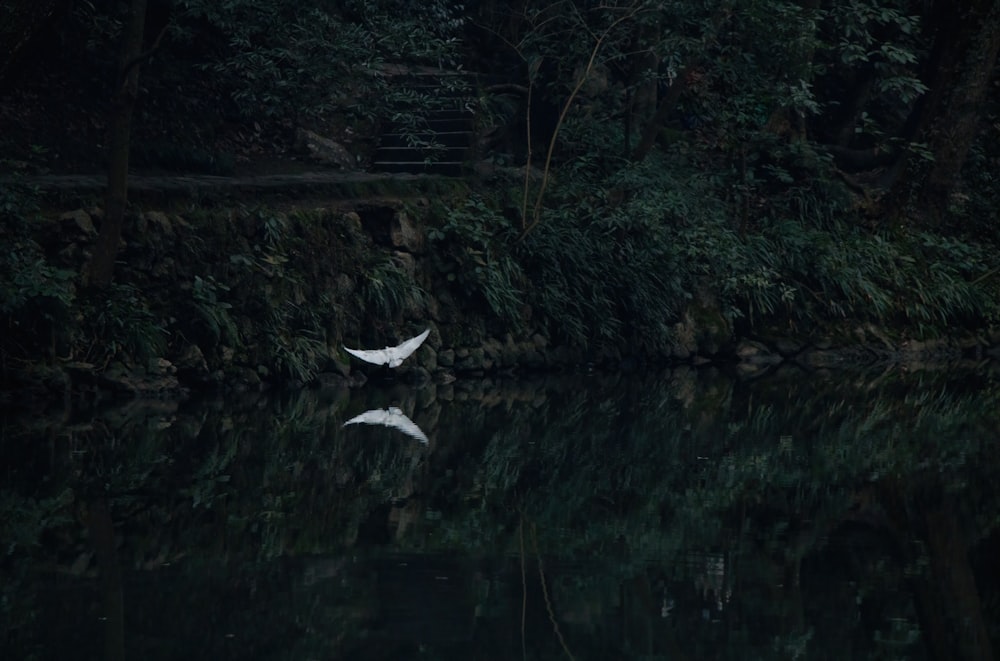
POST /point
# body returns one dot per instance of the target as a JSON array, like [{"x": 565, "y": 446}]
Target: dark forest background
[{"x": 794, "y": 165}]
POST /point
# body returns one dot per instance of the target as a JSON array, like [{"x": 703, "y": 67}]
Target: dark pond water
[{"x": 682, "y": 515}]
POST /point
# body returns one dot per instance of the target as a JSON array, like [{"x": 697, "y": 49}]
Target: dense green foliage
[
  {"x": 29, "y": 279},
  {"x": 290, "y": 60},
  {"x": 601, "y": 271},
  {"x": 790, "y": 165},
  {"x": 768, "y": 182}
]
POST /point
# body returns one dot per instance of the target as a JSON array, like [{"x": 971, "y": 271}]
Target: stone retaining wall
[{"x": 248, "y": 297}]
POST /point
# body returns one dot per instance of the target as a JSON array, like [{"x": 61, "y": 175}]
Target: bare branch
[
  {"x": 142, "y": 57},
  {"x": 536, "y": 212}
]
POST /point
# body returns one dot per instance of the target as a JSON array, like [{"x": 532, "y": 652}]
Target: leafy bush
[
  {"x": 35, "y": 295},
  {"x": 616, "y": 258},
  {"x": 307, "y": 59},
  {"x": 592, "y": 272},
  {"x": 296, "y": 337},
  {"x": 475, "y": 251},
  {"x": 387, "y": 289},
  {"x": 919, "y": 279},
  {"x": 118, "y": 324},
  {"x": 29, "y": 280},
  {"x": 213, "y": 312}
]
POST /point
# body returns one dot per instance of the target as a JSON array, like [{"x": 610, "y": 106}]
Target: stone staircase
[{"x": 435, "y": 134}]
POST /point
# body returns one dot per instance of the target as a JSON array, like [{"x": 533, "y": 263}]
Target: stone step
[
  {"x": 430, "y": 123},
  {"x": 445, "y": 119},
  {"x": 455, "y": 113},
  {"x": 447, "y": 168},
  {"x": 448, "y": 139},
  {"x": 384, "y": 153},
  {"x": 435, "y": 89}
]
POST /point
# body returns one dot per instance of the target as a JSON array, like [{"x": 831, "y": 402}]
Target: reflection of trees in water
[
  {"x": 771, "y": 474},
  {"x": 725, "y": 505}
]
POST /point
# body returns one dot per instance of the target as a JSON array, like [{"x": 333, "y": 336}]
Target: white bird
[
  {"x": 391, "y": 356},
  {"x": 390, "y": 417}
]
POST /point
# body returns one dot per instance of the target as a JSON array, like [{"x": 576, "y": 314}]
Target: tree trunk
[
  {"x": 102, "y": 536},
  {"x": 803, "y": 51},
  {"x": 852, "y": 104},
  {"x": 962, "y": 60},
  {"x": 955, "y": 581},
  {"x": 957, "y": 129},
  {"x": 102, "y": 264},
  {"x": 645, "y": 66},
  {"x": 651, "y": 129}
]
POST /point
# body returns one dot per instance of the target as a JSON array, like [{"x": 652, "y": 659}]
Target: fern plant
[{"x": 387, "y": 289}]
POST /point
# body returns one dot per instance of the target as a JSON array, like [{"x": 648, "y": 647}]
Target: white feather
[
  {"x": 391, "y": 356},
  {"x": 390, "y": 417}
]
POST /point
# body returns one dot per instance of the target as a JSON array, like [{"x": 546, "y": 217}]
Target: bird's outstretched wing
[
  {"x": 391, "y": 356},
  {"x": 400, "y": 353},
  {"x": 390, "y": 417}
]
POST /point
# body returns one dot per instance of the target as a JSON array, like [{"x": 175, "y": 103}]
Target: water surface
[{"x": 679, "y": 515}]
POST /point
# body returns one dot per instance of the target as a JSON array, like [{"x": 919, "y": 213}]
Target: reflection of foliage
[
  {"x": 211, "y": 476},
  {"x": 619, "y": 455},
  {"x": 631, "y": 473},
  {"x": 23, "y": 520}
]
